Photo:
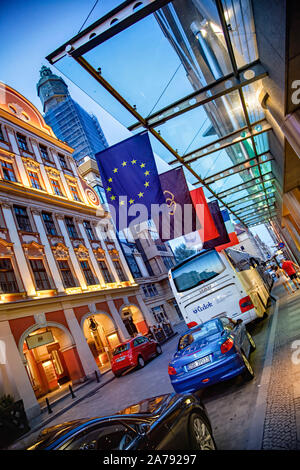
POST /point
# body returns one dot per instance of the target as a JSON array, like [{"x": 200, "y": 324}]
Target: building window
[
  {"x": 71, "y": 227},
  {"x": 133, "y": 266},
  {"x": 1, "y": 134},
  {"x": 8, "y": 282},
  {"x": 160, "y": 313},
  {"x": 74, "y": 192},
  {"x": 49, "y": 223},
  {"x": 44, "y": 152},
  {"x": 101, "y": 193},
  {"x": 8, "y": 171},
  {"x": 40, "y": 274},
  {"x": 34, "y": 179},
  {"x": 22, "y": 142},
  {"x": 89, "y": 276},
  {"x": 150, "y": 290},
  {"x": 89, "y": 230},
  {"x": 108, "y": 278},
  {"x": 22, "y": 219},
  {"x": 120, "y": 272},
  {"x": 62, "y": 161},
  {"x": 168, "y": 262},
  {"x": 66, "y": 273},
  {"x": 56, "y": 187}
]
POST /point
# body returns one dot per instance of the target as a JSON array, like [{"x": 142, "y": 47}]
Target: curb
[
  {"x": 255, "y": 436},
  {"x": 56, "y": 415}
]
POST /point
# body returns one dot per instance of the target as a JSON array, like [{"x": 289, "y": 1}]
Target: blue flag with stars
[{"x": 129, "y": 176}]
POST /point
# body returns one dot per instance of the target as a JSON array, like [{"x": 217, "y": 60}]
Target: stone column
[
  {"x": 87, "y": 360},
  {"x": 124, "y": 335},
  {"x": 145, "y": 311},
  {"x": 17, "y": 373},
  {"x": 289, "y": 124}
]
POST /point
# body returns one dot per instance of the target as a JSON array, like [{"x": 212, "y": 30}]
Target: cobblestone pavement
[{"x": 282, "y": 420}]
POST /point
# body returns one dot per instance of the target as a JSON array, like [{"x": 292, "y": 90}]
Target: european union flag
[{"x": 129, "y": 177}]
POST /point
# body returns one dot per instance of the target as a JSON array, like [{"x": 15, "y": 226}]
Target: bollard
[
  {"x": 48, "y": 406},
  {"x": 71, "y": 391},
  {"x": 97, "y": 376}
]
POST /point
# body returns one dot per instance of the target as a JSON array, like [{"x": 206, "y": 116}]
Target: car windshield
[
  {"x": 207, "y": 329},
  {"x": 120, "y": 349},
  {"x": 197, "y": 271}
]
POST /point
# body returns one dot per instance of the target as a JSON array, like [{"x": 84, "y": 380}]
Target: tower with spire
[{"x": 69, "y": 121}]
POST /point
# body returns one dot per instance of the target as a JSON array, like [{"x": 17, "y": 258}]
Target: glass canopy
[{"x": 189, "y": 73}]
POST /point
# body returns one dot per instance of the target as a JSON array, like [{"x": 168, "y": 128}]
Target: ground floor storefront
[{"x": 47, "y": 344}]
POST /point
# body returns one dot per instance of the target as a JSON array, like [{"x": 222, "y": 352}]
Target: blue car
[{"x": 209, "y": 353}]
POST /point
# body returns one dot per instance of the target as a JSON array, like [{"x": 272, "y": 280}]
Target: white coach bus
[{"x": 211, "y": 284}]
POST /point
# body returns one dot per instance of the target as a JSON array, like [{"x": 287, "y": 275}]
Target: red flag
[
  {"x": 208, "y": 230},
  {"x": 233, "y": 241}
]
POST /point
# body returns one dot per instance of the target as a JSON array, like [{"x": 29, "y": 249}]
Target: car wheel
[
  {"x": 117, "y": 374},
  {"x": 251, "y": 341},
  {"x": 141, "y": 362},
  {"x": 201, "y": 435},
  {"x": 248, "y": 373},
  {"x": 158, "y": 350}
]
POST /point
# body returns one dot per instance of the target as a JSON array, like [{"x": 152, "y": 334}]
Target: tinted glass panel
[{"x": 197, "y": 271}]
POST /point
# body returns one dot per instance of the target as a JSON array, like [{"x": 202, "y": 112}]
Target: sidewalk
[
  {"x": 276, "y": 418},
  {"x": 60, "y": 406}
]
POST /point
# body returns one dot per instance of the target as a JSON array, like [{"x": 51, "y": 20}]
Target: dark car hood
[{"x": 147, "y": 408}]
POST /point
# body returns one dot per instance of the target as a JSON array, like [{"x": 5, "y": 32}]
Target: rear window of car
[
  {"x": 122, "y": 348},
  {"x": 207, "y": 329}
]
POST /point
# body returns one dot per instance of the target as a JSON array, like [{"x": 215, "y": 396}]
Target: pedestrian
[
  {"x": 284, "y": 278},
  {"x": 291, "y": 270}
]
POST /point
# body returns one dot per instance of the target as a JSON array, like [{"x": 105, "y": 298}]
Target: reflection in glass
[{"x": 197, "y": 271}]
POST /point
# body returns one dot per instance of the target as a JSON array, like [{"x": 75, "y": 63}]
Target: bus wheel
[
  {"x": 251, "y": 341},
  {"x": 248, "y": 373}
]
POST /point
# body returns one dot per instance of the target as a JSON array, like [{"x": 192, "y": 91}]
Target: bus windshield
[{"x": 197, "y": 271}]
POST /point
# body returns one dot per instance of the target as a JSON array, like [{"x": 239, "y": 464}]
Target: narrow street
[{"x": 230, "y": 405}]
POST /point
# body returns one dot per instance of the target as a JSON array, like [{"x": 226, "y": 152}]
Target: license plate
[
  {"x": 199, "y": 362},
  {"x": 120, "y": 359}
]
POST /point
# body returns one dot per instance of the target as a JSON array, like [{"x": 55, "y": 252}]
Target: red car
[{"x": 134, "y": 352}]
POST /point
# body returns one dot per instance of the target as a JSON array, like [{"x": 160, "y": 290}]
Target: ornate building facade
[{"x": 67, "y": 296}]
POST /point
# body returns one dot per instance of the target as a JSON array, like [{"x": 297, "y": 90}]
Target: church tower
[{"x": 51, "y": 89}]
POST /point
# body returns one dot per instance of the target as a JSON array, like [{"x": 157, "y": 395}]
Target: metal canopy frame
[{"x": 126, "y": 15}]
